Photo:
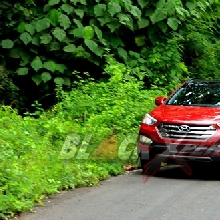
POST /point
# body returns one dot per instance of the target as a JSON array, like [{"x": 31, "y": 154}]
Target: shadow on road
[{"x": 200, "y": 171}]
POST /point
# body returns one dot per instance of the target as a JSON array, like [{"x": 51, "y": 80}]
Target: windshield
[{"x": 197, "y": 94}]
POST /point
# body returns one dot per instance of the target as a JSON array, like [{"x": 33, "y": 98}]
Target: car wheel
[{"x": 144, "y": 164}]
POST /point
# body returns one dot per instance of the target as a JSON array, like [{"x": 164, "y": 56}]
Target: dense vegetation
[
  {"x": 89, "y": 135},
  {"x": 70, "y": 110},
  {"x": 45, "y": 42}
]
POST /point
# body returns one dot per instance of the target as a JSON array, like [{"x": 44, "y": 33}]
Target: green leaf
[
  {"x": 163, "y": 26},
  {"x": 143, "y": 23},
  {"x": 143, "y": 3},
  {"x": 34, "y": 50},
  {"x": 74, "y": 1},
  {"x": 122, "y": 53},
  {"x": 24, "y": 55},
  {"x": 61, "y": 68},
  {"x": 22, "y": 63},
  {"x": 133, "y": 63},
  {"x": 191, "y": 6},
  {"x": 29, "y": 28},
  {"x": 140, "y": 40},
  {"x": 135, "y": 11},
  {"x": 173, "y": 23},
  {"x": 66, "y": 81},
  {"x": 88, "y": 32},
  {"x": 116, "y": 42},
  {"x": 170, "y": 7},
  {"x": 42, "y": 24},
  {"x": 79, "y": 12},
  {"x": 126, "y": 20},
  {"x": 64, "y": 21},
  {"x": 98, "y": 33},
  {"x": 113, "y": 25},
  {"x": 69, "y": 48},
  {"x": 36, "y": 40},
  {"x": 104, "y": 20},
  {"x": 77, "y": 32},
  {"x": 83, "y": 2},
  {"x": 26, "y": 38},
  {"x": 134, "y": 54},
  {"x": 36, "y": 64},
  {"x": 80, "y": 52},
  {"x": 59, "y": 34},
  {"x": 47, "y": 8},
  {"x": 37, "y": 79},
  {"x": 22, "y": 71},
  {"x": 45, "y": 38},
  {"x": 93, "y": 46},
  {"x": 50, "y": 65},
  {"x": 99, "y": 10},
  {"x": 123, "y": 18},
  {"x": 67, "y": 8},
  {"x": 161, "y": 4},
  {"x": 78, "y": 23},
  {"x": 21, "y": 27},
  {"x": 45, "y": 76},
  {"x": 159, "y": 15},
  {"x": 14, "y": 52},
  {"x": 7, "y": 44},
  {"x": 53, "y": 2},
  {"x": 54, "y": 46},
  {"x": 180, "y": 11},
  {"x": 54, "y": 16},
  {"x": 113, "y": 8},
  {"x": 59, "y": 81}
]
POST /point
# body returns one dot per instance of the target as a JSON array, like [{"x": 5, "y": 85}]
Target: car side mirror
[{"x": 159, "y": 100}]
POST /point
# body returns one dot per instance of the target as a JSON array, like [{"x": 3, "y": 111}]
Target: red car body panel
[{"x": 186, "y": 114}]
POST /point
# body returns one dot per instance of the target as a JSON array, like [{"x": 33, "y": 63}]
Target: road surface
[{"x": 171, "y": 194}]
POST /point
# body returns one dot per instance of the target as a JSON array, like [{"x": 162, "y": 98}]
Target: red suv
[{"x": 183, "y": 127}]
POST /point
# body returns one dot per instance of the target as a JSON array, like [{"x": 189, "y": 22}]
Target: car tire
[
  {"x": 148, "y": 169},
  {"x": 143, "y": 164}
]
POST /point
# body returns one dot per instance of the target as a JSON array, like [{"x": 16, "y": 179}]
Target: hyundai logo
[{"x": 184, "y": 128}]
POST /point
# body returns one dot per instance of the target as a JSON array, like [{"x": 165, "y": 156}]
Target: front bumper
[{"x": 187, "y": 152}]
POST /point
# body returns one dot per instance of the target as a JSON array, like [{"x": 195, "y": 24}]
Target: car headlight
[{"x": 149, "y": 120}]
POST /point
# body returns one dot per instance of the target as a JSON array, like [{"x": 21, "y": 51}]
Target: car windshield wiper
[
  {"x": 203, "y": 105},
  {"x": 199, "y": 105}
]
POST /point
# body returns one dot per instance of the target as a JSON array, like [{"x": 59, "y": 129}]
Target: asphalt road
[{"x": 171, "y": 194}]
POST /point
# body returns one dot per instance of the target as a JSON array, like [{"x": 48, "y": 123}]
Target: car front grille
[{"x": 193, "y": 132}]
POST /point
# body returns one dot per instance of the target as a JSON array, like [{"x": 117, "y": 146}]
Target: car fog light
[
  {"x": 145, "y": 140},
  {"x": 217, "y": 148}
]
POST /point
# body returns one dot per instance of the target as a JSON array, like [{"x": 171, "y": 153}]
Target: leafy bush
[{"x": 38, "y": 156}]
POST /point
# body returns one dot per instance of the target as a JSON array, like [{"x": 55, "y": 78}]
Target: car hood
[{"x": 186, "y": 114}]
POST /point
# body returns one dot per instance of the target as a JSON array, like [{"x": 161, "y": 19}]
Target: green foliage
[
  {"x": 7, "y": 44},
  {"x": 31, "y": 166},
  {"x": 156, "y": 39},
  {"x": 202, "y": 51},
  {"x": 8, "y": 91},
  {"x": 22, "y": 71}
]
